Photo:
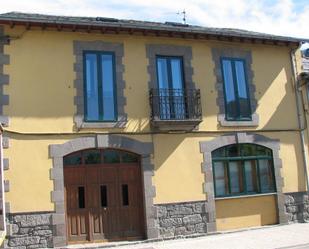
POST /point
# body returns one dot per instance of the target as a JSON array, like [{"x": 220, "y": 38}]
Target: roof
[{"x": 92, "y": 23}]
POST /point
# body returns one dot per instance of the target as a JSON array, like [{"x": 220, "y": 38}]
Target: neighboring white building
[{"x": 305, "y": 59}]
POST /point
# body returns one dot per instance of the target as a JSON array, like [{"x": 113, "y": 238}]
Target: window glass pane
[
  {"x": 235, "y": 173},
  {"x": 266, "y": 176},
  {"x": 263, "y": 151},
  {"x": 178, "y": 91},
  {"x": 162, "y": 73},
  {"x": 176, "y": 67},
  {"x": 111, "y": 156},
  {"x": 248, "y": 149},
  {"x": 125, "y": 195},
  {"x": 219, "y": 152},
  {"x": 220, "y": 179},
  {"x": 74, "y": 159},
  {"x": 92, "y": 156},
  {"x": 242, "y": 89},
  {"x": 232, "y": 151},
  {"x": 92, "y": 87},
  {"x": 165, "y": 106},
  {"x": 103, "y": 191},
  {"x": 229, "y": 87},
  {"x": 129, "y": 158},
  {"x": 251, "y": 176},
  {"x": 81, "y": 197},
  {"x": 108, "y": 96}
]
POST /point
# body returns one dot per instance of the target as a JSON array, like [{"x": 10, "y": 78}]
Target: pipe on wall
[{"x": 3, "y": 223}]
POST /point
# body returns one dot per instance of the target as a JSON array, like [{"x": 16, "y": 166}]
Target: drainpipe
[
  {"x": 299, "y": 106},
  {"x": 3, "y": 223}
]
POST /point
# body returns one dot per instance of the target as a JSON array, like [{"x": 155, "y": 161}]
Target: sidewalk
[
  {"x": 295, "y": 236},
  {"x": 271, "y": 237}
]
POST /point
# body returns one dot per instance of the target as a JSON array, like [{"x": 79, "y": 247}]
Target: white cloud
[{"x": 282, "y": 17}]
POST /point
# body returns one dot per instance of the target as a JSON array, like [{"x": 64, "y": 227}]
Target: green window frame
[
  {"x": 236, "y": 91},
  {"x": 243, "y": 169},
  {"x": 102, "y": 79}
]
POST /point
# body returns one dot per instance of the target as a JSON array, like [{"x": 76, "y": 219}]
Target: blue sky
[{"x": 282, "y": 17}]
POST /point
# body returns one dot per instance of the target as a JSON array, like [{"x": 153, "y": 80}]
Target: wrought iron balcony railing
[{"x": 175, "y": 105}]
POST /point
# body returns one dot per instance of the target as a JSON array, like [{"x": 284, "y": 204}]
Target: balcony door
[{"x": 171, "y": 88}]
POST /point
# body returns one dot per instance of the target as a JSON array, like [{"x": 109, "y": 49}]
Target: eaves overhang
[{"x": 133, "y": 27}]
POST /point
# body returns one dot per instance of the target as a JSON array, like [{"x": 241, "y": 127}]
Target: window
[
  {"x": 171, "y": 87},
  {"x": 243, "y": 169},
  {"x": 99, "y": 156},
  {"x": 100, "y": 90},
  {"x": 81, "y": 197},
  {"x": 237, "y": 99}
]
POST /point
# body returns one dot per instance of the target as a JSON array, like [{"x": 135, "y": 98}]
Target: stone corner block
[
  {"x": 58, "y": 219},
  {"x": 211, "y": 227},
  {"x": 6, "y": 186},
  {"x": 6, "y": 164},
  {"x": 59, "y": 241},
  {"x": 152, "y": 233},
  {"x": 57, "y": 196},
  {"x": 55, "y": 150},
  {"x": 7, "y": 207},
  {"x": 5, "y": 142}
]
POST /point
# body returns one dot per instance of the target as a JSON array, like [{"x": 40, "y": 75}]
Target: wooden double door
[{"x": 104, "y": 202}]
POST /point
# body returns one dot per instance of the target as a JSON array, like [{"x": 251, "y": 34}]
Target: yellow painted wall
[
  {"x": 29, "y": 173},
  {"x": 42, "y": 94},
  {"x": 41, "y": 71},
  {"x": 178, "y": 170},
  {"x": 178, "y": 174},
  {"x": 246, "y": 212}
]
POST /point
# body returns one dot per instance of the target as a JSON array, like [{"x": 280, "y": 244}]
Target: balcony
[{"x": 175, "y": 109}]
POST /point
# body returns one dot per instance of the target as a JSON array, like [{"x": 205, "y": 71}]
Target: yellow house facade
[{"x": 126, "y": 130}]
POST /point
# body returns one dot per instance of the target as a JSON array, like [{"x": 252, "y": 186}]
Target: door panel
[
  {"x": 112, "y": 208},
  {"x": 76, "y": 214},
  {"x": 131, "y": 211}
]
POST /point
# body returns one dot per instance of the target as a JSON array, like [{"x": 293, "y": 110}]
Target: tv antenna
[{"x": 184, "y": 15}]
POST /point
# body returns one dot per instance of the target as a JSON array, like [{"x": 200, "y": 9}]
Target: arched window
[
  {"x": 99, "y": 156},
  {"x": 242, "y": 169}
]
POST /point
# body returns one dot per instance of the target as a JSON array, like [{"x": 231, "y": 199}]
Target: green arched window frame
[{"x": 243, "y": 169}]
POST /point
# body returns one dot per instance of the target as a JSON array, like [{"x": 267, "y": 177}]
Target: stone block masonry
[
  {"x": 27, "y": 231},
  {"x": 182, "y": 219},
  {"x": 297, "y": 206}
]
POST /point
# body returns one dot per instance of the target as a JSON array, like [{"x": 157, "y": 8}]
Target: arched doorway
[{"x": 103, "y": 195}]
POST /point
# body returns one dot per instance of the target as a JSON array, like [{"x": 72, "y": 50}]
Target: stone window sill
[
  {"x": 81, "y": 124},
  {"x": 244, "y": 196},
  {"x": 223, "y": 122}
]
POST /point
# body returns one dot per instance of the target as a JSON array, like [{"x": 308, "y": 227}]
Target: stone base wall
[
  {"x": 181, "y": 219},
  {"x": 297, "y": 206},
  {"x": 26, "y": 231}
]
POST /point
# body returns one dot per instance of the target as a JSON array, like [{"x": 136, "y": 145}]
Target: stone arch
[
  {"x": 206, "y": 147},
  {"x": 58, "y": 151}
]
